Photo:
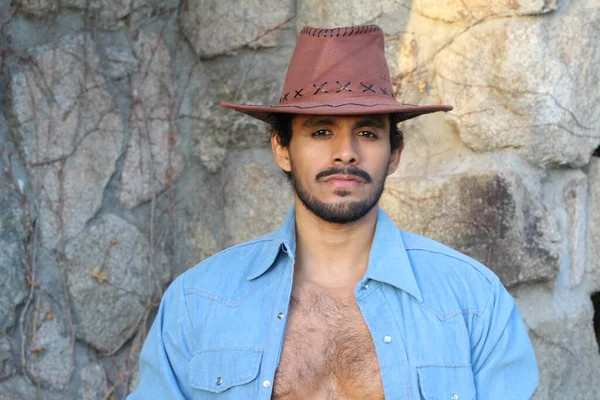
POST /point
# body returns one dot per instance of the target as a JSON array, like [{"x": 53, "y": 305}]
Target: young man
[{"x": 338, "y": 303}]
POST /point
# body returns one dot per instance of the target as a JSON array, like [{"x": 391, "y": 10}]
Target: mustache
[{"x": 350, "y": 170}]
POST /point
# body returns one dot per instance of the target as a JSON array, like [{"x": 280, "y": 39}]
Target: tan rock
[
  {"x": 152, "y": 162},
  {"x": 332, "y": 13},
  {"x": 69, "y": 131},
  {"x": 456, "y": 10},
  {"x": 257, "y": 195},
  {"x": 215, "y": 28},
  {"x": 517, "y": 84},
  {"x": 488, "y": 216}
]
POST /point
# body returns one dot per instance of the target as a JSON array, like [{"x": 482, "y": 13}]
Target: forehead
[{"x": 377, "y": 120}]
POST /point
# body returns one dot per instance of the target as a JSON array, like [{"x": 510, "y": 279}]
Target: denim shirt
[{"x": 443, "y": 325}]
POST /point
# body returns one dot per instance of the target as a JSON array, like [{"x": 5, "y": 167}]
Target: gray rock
[
  {"x": 61, "y": 122},
  {"x": 488, "y": 216},
  {"x": 593, "y": 226},
  {"x": 6, "y": 363},
  {"x": 257, "y": 195},
  {"x": 215, "y": 28},
  {"x": 13, "y": 234},
  {"x": 111, "y": 280},
  {"x": 472, "y": 10},
  {"x": 518, "y": 83},
  {"x": 560, "y": 329},
  {"x": 332, "y": 13},
  {"x": 49, "y": 351},
  {"x": 566, "y": 195},
  {"x": 38, "y": 8},
  {"x": 114, "y": 14},
  {"x": 93, "y": 382},
  {"x": 151, "y": 163}
]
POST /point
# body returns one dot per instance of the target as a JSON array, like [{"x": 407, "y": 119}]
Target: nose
[{"x": 345, "y": 149}]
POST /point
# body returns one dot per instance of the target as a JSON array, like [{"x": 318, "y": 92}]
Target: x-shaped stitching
[
  {"x": 320, "y": 88},
  {"x": 298, "y": 93},
  {"x": 368, "y": 88},
  {"x": 284, "y": 98},
  {"x": 384, "y": 90},
  {"x": 343, "y": 87}
]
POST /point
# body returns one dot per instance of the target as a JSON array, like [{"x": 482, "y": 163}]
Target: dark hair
[{"x": 282, "y": 128}]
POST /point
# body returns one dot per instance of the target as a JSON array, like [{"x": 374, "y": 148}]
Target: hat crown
[{"x": 337, "y": 63}]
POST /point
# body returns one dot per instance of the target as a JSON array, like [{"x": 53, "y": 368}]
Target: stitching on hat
[
  {"x": 384, "y": 91},
  {"x": 367, "y": 88},
  {"x": 348, "y": 30},
  {"x": 298, "y": 93},
  {"x": 344, "y": 104},
  {"x": 320, "y": 88},
  {"x": 343, "y": 87},
  {"x": 284, "y": 98}
]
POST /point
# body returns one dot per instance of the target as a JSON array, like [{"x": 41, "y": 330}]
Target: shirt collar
[{"x": 388, "y": 260}]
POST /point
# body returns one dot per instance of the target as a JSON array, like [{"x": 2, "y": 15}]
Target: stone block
[
  {"x": 69, "y": 131},
  {"x": 13, "y": 234},
  {"x": 112, "y": 274},
  {"x": 593, "y": 235},
  {"x": 332, "y": 13},
  {"x": 518, "y": 84},
  {"x": 565, "y": 193},
  {"x": 216, "y": 28},
  {"x": 561, "y": 331},
  {"x": 457, "y": 10},
  {"x": 489, "y": 216},
  {"x": 6, "y": 363},
  {"x": 93, "y": 382},
  {"x": 257, "y": 195},
  {"x": 151, "y": 163}
]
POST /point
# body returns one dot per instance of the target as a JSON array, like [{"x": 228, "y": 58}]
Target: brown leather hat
[{"x": 339, "y": 71}]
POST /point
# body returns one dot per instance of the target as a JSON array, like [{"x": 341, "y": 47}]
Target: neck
[{"x": 330, "y": 255}]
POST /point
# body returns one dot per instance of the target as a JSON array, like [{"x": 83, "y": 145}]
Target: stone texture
[
  {"x": 93, "y": 382},
  {"x": 488, "y": 216},
  {"x": 566, "y": 195},
  {"x": 6, "y": 363},
  {"x": 257, "y": 195},
  {"x": 13, "y": 233},
  {"x": 332, "y": 13},
  {"x": 215, "y": 28},
  {"x": 62, "y": 115},
  {"x": 37, "y": 8},
  {"x": 111, "y": 280},
  {"x": 456, "y": 10},
  {"x": 564, "y": 342},
  {"x": 151, "y": 163},
  {"x": 593, "y": 227},
  {"x": 524, "y": 84},
  {"x": 50, "y": 355}
]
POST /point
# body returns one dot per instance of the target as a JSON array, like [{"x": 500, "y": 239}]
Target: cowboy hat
[{"x": 340, "y": 71}]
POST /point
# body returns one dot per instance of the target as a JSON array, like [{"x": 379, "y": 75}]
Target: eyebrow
[{"x": 315, "y": 122}]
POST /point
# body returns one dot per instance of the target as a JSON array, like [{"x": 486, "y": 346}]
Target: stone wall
[{"x": 119, "y": 170}]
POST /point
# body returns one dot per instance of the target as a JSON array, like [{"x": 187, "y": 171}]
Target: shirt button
[
  {"x": 388, "y": 339},
  {"x": 266, "y": 384},
  {"x": 280, "y": 315},
  {"x": 454, "y": 397},
  {"x": 365, "y": 286},
  {"x": 219, "y": 381}
]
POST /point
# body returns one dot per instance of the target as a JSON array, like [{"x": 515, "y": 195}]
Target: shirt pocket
[
  {"x": 217, "y": 371},
  {"x": 446, "y": 382}
]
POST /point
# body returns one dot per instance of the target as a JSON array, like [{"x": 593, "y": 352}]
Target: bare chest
[{"x": 328, "y": 352}]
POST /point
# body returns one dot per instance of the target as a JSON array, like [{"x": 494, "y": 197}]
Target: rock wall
[{"x": 119, "y": 170}]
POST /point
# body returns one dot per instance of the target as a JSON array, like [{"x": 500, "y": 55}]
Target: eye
[
  {"x": 321, "y": 133},
  {"x": 367, "y": 134}
]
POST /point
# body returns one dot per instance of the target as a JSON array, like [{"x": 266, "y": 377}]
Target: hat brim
[{"x": 348, "y": 107}]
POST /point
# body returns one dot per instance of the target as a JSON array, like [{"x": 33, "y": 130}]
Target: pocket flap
[
  {"x": 446, "y": 382},
  {"x": 219, "y": 370}
]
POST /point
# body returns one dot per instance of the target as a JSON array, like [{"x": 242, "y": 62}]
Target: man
[{"x": 338, "y": 303}]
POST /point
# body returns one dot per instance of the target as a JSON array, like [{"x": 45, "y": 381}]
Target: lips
[{"x": 343, "y": 180}]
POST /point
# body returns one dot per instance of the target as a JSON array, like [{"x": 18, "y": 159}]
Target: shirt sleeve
[
  {"x": 503, "y": 360},
  {"x": 165, "y": 354}
]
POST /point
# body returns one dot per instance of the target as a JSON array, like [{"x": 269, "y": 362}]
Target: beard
[{"x": 340, "y": 212}]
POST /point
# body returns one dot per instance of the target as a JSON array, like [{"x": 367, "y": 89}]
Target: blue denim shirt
[{"x": 443, "y": 325}]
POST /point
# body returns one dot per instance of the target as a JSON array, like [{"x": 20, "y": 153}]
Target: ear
[
  {"x": 281, "y": 154},
  {"x": 395, "y": 159}
]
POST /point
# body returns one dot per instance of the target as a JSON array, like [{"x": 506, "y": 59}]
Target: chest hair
[{"x": 328, "y": 352}]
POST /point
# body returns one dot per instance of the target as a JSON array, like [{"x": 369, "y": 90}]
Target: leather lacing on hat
[{"x": 346, "y": 31}]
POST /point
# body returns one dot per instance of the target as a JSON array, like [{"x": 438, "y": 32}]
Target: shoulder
[{"x": 450, "y": 282}]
